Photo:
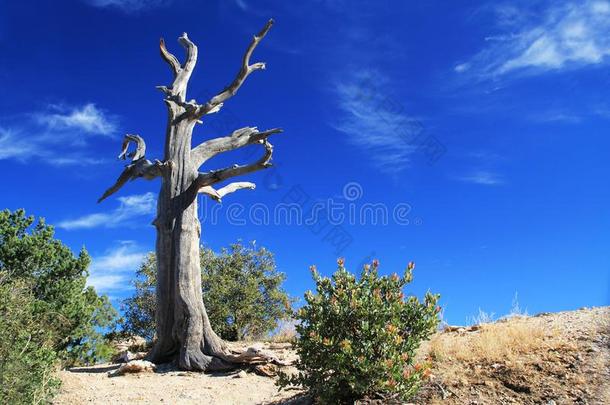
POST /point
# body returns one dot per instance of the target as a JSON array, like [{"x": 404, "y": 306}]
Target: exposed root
[
  {"x": 253, "y": 355},
  {"x": 220, "y": 358}
]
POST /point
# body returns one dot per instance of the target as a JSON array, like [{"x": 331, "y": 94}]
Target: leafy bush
[
  {"x": 26, "y": 347},
  {"x": 241, "y": 290},
  {"x": 358, "y": 337},
  {"x": 31, "y": 258},
  {"x": 139, "y": 310}
]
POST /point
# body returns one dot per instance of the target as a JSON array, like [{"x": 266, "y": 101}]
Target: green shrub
[
  {"x": 358, "y": 337},
  {"x": 30, "y": 257},
  {"x": 27, "y": 358},
  {"x": 241, "y": 290}
]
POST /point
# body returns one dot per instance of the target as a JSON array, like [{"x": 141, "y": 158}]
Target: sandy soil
[
  {"x": 551, "y": 359},
  {"x": 91, "y": 385}
]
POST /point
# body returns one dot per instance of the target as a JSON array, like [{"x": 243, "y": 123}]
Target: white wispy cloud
[
  {"x": 482, "y": 177},
  {"x": 558, "y": 117},
  {"x": 115, "y": 269},
  {"x": 564, "y": 35},
  {"x": 130, "y": 5},
  {"x": 88, "y": 119},
  {"x": 375, "y": 122},
  {"x": 242, "y": 5},
  {"x": 130, "y": 207},
  {"x": 59, "y": 135},
  {"x": 14, "y": 146}
]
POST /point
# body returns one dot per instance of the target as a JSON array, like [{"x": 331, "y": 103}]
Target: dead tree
[{"x": 184, "y": 332}]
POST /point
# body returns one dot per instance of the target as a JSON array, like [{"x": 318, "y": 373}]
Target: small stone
[
  {"x": 241, "y": 374},
  {"x": 266, "y": 370}
]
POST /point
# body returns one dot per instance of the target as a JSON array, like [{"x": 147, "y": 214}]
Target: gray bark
[{"x": 184, "y": 332}]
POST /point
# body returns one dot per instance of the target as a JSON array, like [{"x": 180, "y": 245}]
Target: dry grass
[
  {"x": 561, "y": 357},
  {"x": 493, "y": 342},
  {"x": 285, "y": 333}
]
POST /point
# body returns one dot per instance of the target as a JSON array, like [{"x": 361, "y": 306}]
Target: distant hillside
[{"x": 559, "y": 358}]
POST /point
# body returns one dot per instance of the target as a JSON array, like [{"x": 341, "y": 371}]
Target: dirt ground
[
  {"x": 91, "y": 385},
  {"x": 551, "y": 359}
]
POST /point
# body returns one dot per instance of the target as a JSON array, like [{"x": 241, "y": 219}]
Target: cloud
[
  {"x": 129, "y": 5},
  {"x": 482, "y": 177},
  {"x": 13, "y": 146},
  {"x": 88, "y": 119},
  {"x": 58, "y": 136},
  {"x": 563, "y": 35},
  {"x": 130, "y": 207},
  {"x": 558, "y": 117},
  {"x": 242, "y": 5},
  {"x": 115, "y": 269},
  {"x": 375, "y": 122},
  {"x": 462, "y": 67}
]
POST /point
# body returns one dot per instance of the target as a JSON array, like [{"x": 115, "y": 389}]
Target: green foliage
[
  {"x": 73, "y": 313},
  {"x": 26, "y": 347},
  {"x": 241, "y": 289},
  {"x": 358, "y": 337},
  {"x": 139, "y": 310}
]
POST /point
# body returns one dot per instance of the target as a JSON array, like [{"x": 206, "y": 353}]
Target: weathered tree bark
[{"x": 184, "y": 332}]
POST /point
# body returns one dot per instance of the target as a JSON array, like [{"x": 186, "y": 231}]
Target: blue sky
[{"x": 480, "y": 129}]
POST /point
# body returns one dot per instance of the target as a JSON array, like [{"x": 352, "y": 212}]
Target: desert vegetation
[
  {"x": 358, "y": 336},
  {"x": 48, "y": 315}
]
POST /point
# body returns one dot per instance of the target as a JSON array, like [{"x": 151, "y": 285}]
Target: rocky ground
[{"x": 560, "y": 358}]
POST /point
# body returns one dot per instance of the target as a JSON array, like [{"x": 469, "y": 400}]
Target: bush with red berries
[{"x": 358, "y": 336}]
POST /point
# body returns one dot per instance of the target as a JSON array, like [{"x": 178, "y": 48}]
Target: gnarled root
[{"x": 218, "y": 356}]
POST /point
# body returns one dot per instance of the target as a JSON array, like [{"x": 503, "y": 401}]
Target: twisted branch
[
  {"x": 169, "y": 58},
  {"x": 246, "y": 68},
  {"x": 217, "y": 195},
  {"x": 216, "y": 176},
  {"x": 140, "y": 147},
  {"x": 139, "y": 166},
  {"x": 239, "y": 138}
]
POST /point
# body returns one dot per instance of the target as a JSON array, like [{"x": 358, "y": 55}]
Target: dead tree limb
[{"x": 139, "y": 166}]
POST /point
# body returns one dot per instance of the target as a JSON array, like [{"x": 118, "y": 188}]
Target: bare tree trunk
[{"x": 184, "y": 332}]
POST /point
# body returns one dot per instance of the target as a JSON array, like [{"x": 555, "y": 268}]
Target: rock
[
  {"x": 241, "y": 374},
  {"x": 266, "y": 370},
  {"x": 134, "y": 366}
]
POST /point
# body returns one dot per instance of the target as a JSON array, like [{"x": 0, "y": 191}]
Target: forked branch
[
  {"x": 182, "y": 73},
  {"x": 239, "y": 138},
  {"x": 246, "y": 68}
]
